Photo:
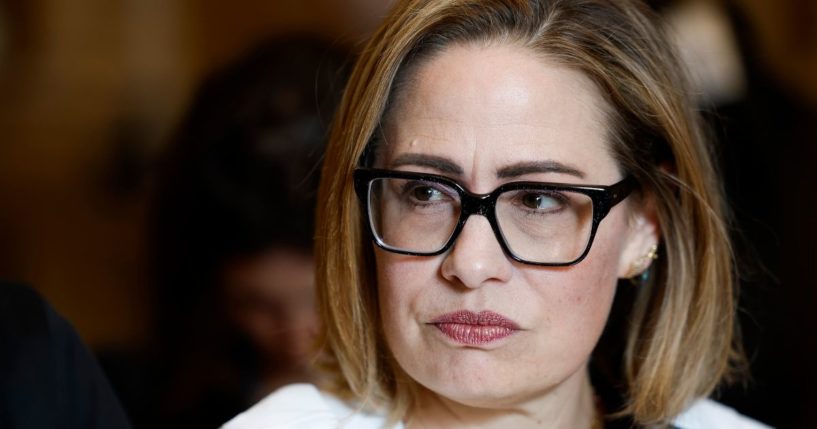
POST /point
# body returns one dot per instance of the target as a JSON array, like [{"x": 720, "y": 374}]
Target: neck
[{"x": 569, "y": 405}]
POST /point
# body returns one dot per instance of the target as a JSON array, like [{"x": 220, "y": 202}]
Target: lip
[{"x": 475, "y": 329}]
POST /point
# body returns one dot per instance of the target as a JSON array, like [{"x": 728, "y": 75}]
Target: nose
[{"x": 476, "y": 259}]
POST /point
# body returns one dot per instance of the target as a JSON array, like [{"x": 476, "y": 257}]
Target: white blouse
[{"x": 303, "y": 406}]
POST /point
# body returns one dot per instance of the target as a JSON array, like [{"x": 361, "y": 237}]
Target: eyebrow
[
  {"x": 530, "y": 167},
  {"x": 443, "y": 165}
]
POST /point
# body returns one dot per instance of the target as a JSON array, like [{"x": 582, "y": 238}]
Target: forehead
[{"x": 488, "y": 106}]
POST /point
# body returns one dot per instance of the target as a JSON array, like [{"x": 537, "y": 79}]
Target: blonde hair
[{"x": 681, "y": 338}]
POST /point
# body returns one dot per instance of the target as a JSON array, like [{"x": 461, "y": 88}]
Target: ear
[{"x": 642, "y": 235}]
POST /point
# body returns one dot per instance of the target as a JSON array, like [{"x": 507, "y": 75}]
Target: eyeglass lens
[{"x": 537, "y": 225}]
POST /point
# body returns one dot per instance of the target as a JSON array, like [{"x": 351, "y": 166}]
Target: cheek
[
  {"x": 592, "y": 282},
  {"x": 392, "y": 290},
  {"x": 576, "y": 301},
  {"x": 586, "y": 297},
  {"x": 402, "y": 283}
]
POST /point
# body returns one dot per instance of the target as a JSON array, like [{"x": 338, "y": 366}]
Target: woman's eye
[
  {"x": 426, "y": 193},
  {"x": 540, "y": 201}
]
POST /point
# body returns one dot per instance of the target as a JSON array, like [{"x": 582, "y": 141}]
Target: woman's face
[{"x": 480, "y": 113}]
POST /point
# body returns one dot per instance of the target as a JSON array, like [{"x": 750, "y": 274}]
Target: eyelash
[
  {"x": 411, "y": 186},
  {"x": 561, "y": 199}
]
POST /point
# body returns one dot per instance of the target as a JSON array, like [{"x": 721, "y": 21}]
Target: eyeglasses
[{"x": 536, "y": 223}]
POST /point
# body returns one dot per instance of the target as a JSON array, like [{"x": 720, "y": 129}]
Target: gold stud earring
[{"x": 643, "y": 262}]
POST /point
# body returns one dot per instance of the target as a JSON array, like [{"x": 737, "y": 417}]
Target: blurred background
[{"x": 94, "y": 92}]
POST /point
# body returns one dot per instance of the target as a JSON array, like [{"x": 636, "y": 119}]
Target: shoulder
[
  {"x": 708, "y": 414},
  {"x": 49, "y": 377},
  {"x": 21, "y": 307},
  {"x": 304, "y": 406}
]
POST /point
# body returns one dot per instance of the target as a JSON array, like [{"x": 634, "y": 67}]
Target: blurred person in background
[{"x": 232, "y": 233}]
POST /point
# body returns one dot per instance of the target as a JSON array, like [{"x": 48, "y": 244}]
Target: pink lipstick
[{"x": 469, "y": 328}]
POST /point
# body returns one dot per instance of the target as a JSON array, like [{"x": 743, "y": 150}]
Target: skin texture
[{"x": 483, "y": 108}]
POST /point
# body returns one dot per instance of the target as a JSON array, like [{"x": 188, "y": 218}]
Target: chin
[
  {"x": 487, "y": 395},
  {"x": 483, "y": 389}
]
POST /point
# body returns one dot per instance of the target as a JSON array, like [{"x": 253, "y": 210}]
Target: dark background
[{"x": 90, "y": 91}]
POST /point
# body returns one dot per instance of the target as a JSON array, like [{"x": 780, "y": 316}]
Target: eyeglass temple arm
[
  {"x": 621, "y": 190},
  {"x": 616, "y": 193}
]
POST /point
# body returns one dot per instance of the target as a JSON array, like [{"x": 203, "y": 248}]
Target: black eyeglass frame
[{"x": 603, "y": 198}]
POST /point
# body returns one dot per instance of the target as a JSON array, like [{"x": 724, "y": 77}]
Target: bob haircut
[{"x": 680, "y": 338}]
